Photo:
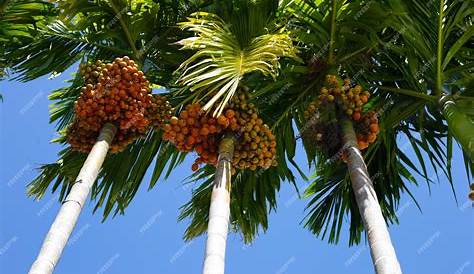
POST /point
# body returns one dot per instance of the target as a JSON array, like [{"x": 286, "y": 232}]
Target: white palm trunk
[
  {"x": 66, "y": 219},
  {"x": 381, "y": 249},
  {"x": 219, "y": 211}
]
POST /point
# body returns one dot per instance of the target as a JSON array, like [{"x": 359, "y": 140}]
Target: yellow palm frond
[{"x": 220, "y": 62}]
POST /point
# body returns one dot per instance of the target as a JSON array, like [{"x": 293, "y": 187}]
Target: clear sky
[{"x": 148, "y": 238}]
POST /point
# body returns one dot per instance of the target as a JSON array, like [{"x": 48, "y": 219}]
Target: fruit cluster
[
  {"x": 194, "y": 130},
  {"x": 90, "y": 72},
  {"x": 256, "y": 147},
  {"x": 349, "y": 99},
  {"x": 346, "y": 99},
  {"x": 159, "y": 112},
  {"x": 121, "y": 96},
  {"x": 367, "y": 129}
]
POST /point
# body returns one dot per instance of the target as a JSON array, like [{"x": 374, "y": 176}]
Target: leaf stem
[
  {"x": 439, "y": 74},
  {"x": 3, "y": 7},
  {"x": 411, "y": 93},
  {"x": 294, "y": 103},
  {"x": 351, "y": 55},
  {"x": 333, "y": 32},
  {"x": 86, "y": 41},
  {"x": 125, "y": 30}
]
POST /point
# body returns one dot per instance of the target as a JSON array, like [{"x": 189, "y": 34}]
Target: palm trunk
[
  {"x": 460, "y": 126},
  {"x": 66, "y": 219},
  {"x": 381, "y": 248},
  {"x": 219, "y": 211}
]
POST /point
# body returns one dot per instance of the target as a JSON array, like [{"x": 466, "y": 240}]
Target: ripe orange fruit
[
  {"x": 229, "y": 113},
  {"x": 190, "y": 121},
  {"x": 195, "y": 132},
  {"x": 212, "y": 129},
  {"x": 174, "y": 120},
  {"x": 204, "y": 131},
  {"x": 371, "y": 138},
  {"x": 191, "y": 140},
  {"x": 374, "y": 128},
  {"x": 223, "y": 121},
  {"x": 356, "y": 116},
  {"x": 362, "y": 145},
  {"x": 212, "y": 158}
]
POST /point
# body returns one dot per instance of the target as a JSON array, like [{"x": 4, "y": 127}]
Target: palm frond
[
  {"x": 253, "y": 198},
  {"x": 120, "y": 176},
  {"x": 104, "y": 30},
  {"x": 89, "y": 30},
  {"x": 19, "y": 24},
  {"x": 253, "y": 194},
  {"x": 58, "y": 48},
  {"x": 368, "y": 49},
  {"x": 420, "y": 30},
  {"x": 331, "y": 194},
  {"x": 62, "y": 108},
  {"x": 221, "y": 61},
  {"x": 353, "y": 37}
]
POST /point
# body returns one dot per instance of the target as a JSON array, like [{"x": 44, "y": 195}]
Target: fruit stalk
[
  {"x": 219, "y": 211},
  {"x": 66, "y": 219},
  {"x": 381, "y": 249}
]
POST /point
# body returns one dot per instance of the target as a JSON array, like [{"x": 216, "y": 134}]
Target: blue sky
[{"x": 148, "y": 238}]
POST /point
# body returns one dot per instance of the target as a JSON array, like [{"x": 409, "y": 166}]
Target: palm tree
[
  {"x": 66, "y": 220},
  {"x": 328, "y": 21},
  {"x": 437, "y": 78},
  {"x": 355, "y": 45},
  {"x": 227, "y": 50},
  {"x": 104, "y": 37},
  {"x": 381, "y": 248},
  {"x": 219, "y": 210},
  {"x": 442, "y": 81},
  {"x": 145, "y": 32},
  {"x": 75, "y": 36},
  {"x": 61, "y": 44}
]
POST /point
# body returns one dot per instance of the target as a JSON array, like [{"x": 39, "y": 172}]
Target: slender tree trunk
[
  {"x": 219, "y": 211},
  {"x": 381, "y": 248},
  {"x": 66, "y": 219},
  {"x": 460, "y": 126}
]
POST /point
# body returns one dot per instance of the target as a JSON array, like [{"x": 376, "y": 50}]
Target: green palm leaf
[
  {"x": 19, "y": 24},
  {"x": 253, "y": 197},
  {"x": 92, "y": 36},
  {"x": 362, "y": 40},
  {"x": 120, "y": 177}
]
